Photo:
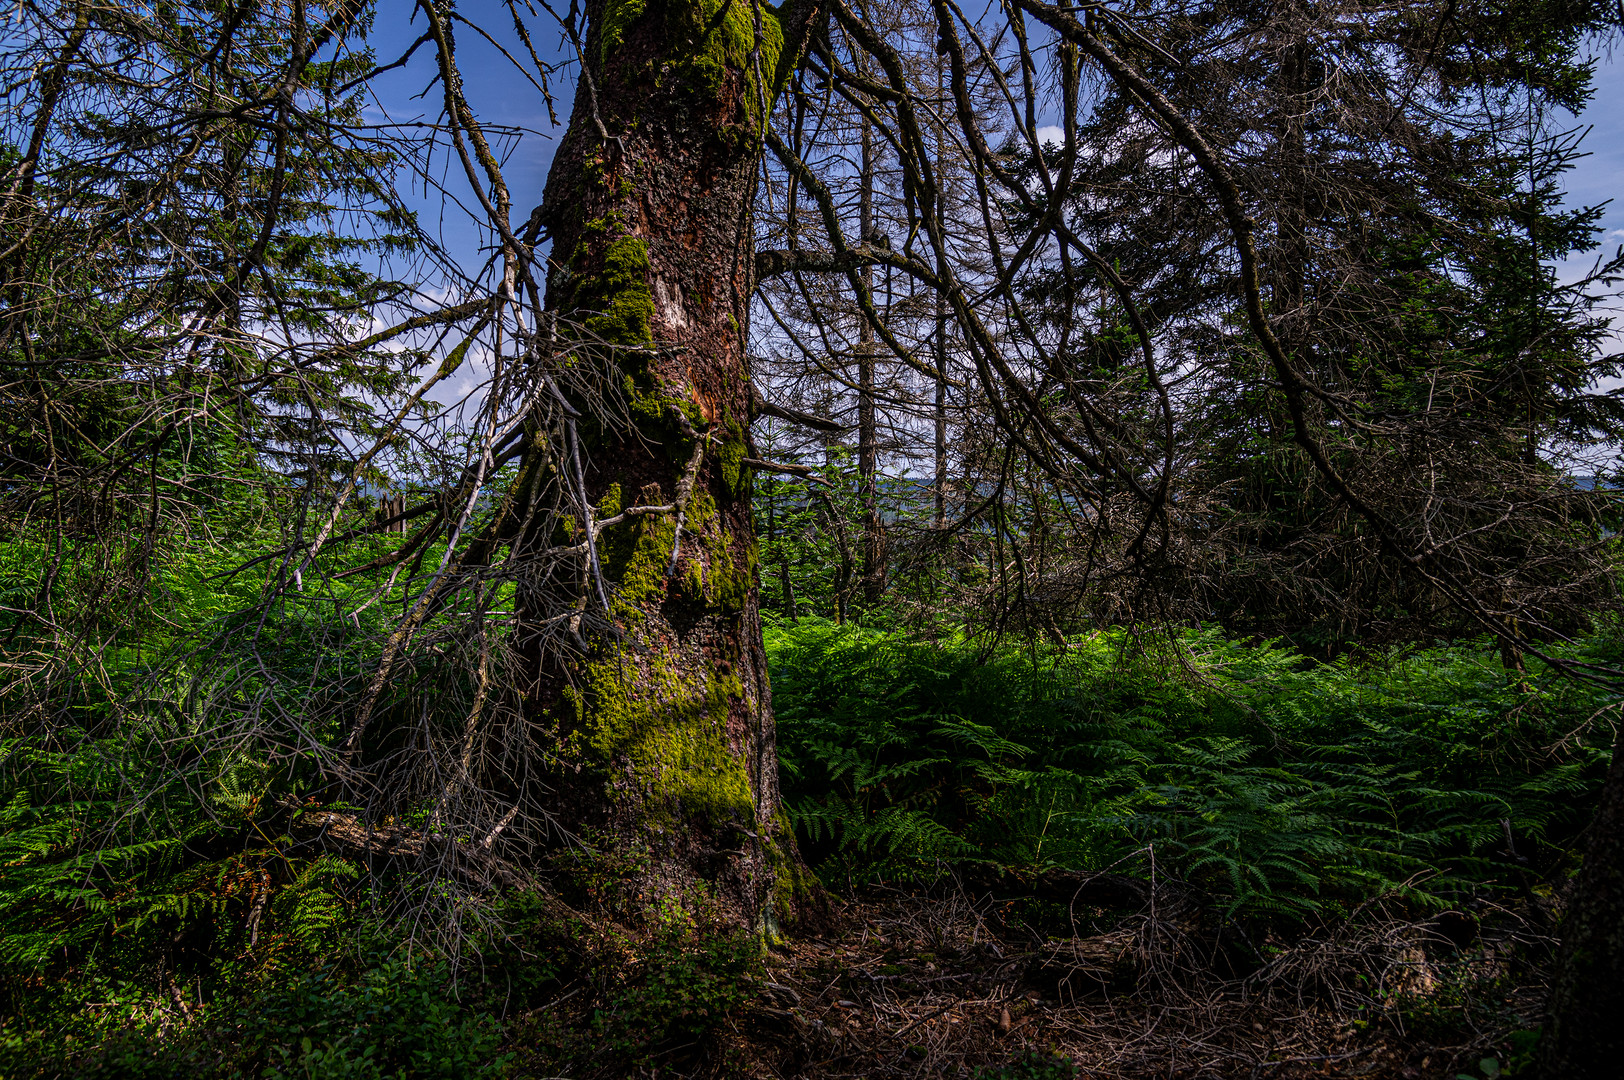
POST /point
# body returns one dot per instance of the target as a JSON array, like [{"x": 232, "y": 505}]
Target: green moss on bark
[
  {"x": 693, "y": 580},
  {"x": 732, "y": 457},
  {"x": 725, "y": 33},
  {"x": 707, "y": 38},
  {"x": 635, "y": 555},
  {"x": 620, "y": 295},
  {"x": 621, "y": 306},
  {"x": 618, "y": 16},
  {"x": 793, "y": 885},
  {"x": 668, "y": 730},
  {"x": 726, "y": 583},
  {"x": 730, "y": 581},
  {"x": 664, "y": 721}
]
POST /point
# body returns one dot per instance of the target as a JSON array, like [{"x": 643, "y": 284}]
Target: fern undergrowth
[{"x": 1280, "y": 785}]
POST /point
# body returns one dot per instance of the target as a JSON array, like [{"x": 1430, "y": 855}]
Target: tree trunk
[
  {"x": 663, "y": 724},
  {"x": 1584, "y": 1030},
  {"x": 939, "y": 413},
  {"x": 1289, "y": 259},
  {"x": 873, "y": 571}
]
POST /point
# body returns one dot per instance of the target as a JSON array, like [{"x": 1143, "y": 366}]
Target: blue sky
[{"x": 1600, "y": 176}]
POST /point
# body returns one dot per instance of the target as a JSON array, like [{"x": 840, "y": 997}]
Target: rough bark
[
  {"x": 873, "y": 571},
  {"x": 939, "y": 416},
  {"x": 663, "y": 724},
  {"x": 1584, "y": 1030}
]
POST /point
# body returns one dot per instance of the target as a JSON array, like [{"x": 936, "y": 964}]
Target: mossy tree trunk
[
  {"x": 664, "y": 724},
  {"x": 1583, "y": 1036}
]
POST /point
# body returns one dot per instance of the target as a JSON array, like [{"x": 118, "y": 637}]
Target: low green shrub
[
  {"x": 387, "y": 1021},
  {"x": 393, "y": 1020},
  {"x": 681, "y": 987}
]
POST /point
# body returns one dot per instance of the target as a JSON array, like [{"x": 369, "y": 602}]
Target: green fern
[
  {"x": 1285, "y": 787},
  {"x": 312, "y": 907}
]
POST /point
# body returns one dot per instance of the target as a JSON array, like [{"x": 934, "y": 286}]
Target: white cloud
[{"x": 1051, "y": 133}]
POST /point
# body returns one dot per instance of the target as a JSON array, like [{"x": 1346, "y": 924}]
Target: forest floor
[{"x": 954, "y": 984}]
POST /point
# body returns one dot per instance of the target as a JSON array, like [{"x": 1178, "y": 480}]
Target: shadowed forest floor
[{"x": 988, "y": 982}]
